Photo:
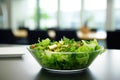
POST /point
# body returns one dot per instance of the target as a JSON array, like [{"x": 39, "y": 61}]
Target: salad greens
[{"x": 66, "y": 54}]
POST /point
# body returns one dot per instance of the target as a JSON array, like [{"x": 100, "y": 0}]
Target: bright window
[
  {"x": 70, "y": 14},
  {"x": 116, "y": 15},
  {"x": 95, "y": 13},
  {"x": 65, "y": 14},
  {"x": 48, "y": 13},
  {"x": 22, "y": 13}
]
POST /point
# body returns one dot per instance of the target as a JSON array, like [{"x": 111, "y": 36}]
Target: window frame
[{"x": 109, "y": 15}]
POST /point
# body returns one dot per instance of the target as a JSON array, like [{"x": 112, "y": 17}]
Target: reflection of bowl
[
  {"x": 46, "y": 75},
  {"x": 65, "y": 61}
]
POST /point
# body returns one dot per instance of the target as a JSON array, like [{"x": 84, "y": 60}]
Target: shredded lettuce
[{"x": 66, "y": 54}]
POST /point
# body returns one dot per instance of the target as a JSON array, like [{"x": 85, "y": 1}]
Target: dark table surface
[{"x": 105, "y": 67}]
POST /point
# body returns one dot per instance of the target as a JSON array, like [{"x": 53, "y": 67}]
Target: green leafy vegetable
[{"x": 66, "y": 54}]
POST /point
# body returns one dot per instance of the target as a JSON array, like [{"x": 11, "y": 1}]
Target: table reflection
[{"x": 46, "y": 75}]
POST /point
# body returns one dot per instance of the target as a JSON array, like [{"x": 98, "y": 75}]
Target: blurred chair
[
  {"x": 21, "y": 36},
  {"x": 113, "y": 40},
  {"x": 93, "y": 30},
  {"x": 71, "y": 34},
  {"x": 51, "y": 34},
  {"x": 6, "y": 36},
  {"x": 34, "y": 35}
]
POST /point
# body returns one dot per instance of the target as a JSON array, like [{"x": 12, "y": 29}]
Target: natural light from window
[
  {"x": 70, "y": 14},
  {"x": 48, "y": 10}
]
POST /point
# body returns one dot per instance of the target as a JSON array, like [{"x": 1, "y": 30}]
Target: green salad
[{"x": 66, "y": 54}]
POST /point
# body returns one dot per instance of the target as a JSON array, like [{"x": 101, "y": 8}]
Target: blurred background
[{"x": 23, "y": 21}]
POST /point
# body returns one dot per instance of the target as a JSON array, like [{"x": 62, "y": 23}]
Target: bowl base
[{"x": 65, "y": 71}]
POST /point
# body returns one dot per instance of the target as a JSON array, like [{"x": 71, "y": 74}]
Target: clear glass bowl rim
[{"x": 99, "y": 50}]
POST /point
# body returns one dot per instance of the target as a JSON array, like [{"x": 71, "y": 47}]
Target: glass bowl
[{"x": 65, "y": 61}]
